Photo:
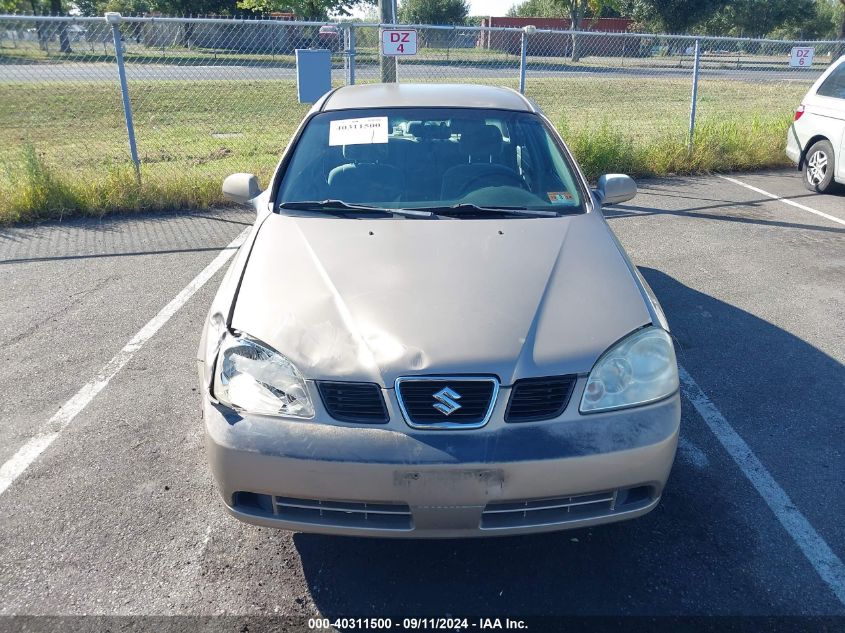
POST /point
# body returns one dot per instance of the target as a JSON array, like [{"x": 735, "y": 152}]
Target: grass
[
  {"x": 63, "y": 147},
  {"x": 718, "y": 147}
]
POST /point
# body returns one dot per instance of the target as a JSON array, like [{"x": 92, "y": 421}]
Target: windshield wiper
[
  {"x": 474, "y": 208},
  {"x": 341, "y": 206}
]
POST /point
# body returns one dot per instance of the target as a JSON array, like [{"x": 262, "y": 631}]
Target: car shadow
[
  {"x": 122, "y": 235},
  {"x": 714, "y": 212},
  {"x": 711, "y": 547}
]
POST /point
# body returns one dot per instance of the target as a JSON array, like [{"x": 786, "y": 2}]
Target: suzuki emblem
[{"x": 446, "y": 401}]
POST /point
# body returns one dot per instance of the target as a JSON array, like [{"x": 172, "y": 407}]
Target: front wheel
[{"x": 819, "y": 167}]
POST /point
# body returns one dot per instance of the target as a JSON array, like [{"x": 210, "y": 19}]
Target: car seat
[
  {"x": 481, "y": 148},
  {"x": 366, "y": 177}
]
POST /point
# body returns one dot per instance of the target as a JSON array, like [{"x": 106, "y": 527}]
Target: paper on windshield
[
  {"x": 560, "y": 197},
  {"x": 364, "y": 131}
]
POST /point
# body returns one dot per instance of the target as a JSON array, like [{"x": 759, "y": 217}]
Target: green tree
[
  {"x": 125, "y": 7},
  {"x": 824, "y": 22},
  {"x": 166, "y": 7},
  {"x": 537, "y": 9},
  {"x": 24, "y": 6},
  {"x": 672, "y": 16},
  {"x": 434, "y": 11},
  {"x": 575, "y": 10},
  {"x": 758, "y": 18},
  {"x": 194, "y": 7},
  {"x": 842, "y": 20},
  {"x": 56, "y": 8},
  {"x": 43, "y": 7},
  {"x": 317, "y": 10}
]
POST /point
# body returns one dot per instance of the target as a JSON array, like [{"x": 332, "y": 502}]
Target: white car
[{"x": 816, "y": 139}]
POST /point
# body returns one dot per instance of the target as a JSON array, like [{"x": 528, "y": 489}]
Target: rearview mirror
[
  {"x": 241, "y": 188},
  {"x": 616, "y": 188}
]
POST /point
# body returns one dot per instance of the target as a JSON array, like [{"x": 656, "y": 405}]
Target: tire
[{"x": 819, "y": 167}]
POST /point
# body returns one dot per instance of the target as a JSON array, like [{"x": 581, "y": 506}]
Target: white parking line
[
  {"x": 797, "y": 205},
  {"x": 815, "y": 549},
  {"x": 30, "y": 451}
]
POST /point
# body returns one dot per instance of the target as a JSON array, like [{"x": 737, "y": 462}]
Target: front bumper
[{"x": 394, "y": 481}]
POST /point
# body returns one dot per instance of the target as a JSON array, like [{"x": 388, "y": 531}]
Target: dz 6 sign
[
  {"x": 801, "y": 57},
  {"x": 395, "y": 42}
]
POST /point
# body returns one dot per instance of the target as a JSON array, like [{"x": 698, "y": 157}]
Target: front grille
[
  {"x": 539, "y": 512},
  {"x": 353, "y": 402},
  {"x": 539, "y": 398},
  {"x": 351, "y": 514},
  {"x": 462, "y": 402},
  {"x": 384, "y": 516}
]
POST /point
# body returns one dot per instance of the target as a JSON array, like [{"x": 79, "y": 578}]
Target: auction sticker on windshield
[
  {"x": 358, "y": 131},
  {"x": 560, "y": 197}
]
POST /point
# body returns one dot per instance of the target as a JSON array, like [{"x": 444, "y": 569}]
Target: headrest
[
  {"x": 428, "y": 131},
  {"x": 365, "y": 153},
  {"x": 416, "y": 128},
  {"x": 481, "y": 140},
  {"x": 438, "y": 132}
]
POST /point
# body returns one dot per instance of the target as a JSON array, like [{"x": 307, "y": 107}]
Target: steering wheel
[{"x": 504, "y": 178}]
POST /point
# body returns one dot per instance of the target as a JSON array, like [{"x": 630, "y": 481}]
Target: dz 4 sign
[
  {"x": 802, "y": 56},
  {"x": 396, "y": 42}
]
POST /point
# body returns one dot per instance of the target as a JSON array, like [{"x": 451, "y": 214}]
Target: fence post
[
  {"x": 114, "y": 20},
  {"x": 523, "y": 54},
  {"x": 387, "y": 64},
  {"x": 694, "y": 104},
  {"x": 350, "y": 55}
]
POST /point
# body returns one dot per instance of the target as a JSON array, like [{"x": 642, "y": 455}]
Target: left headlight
[
  {"x": 254, "y": 378},
  {"x": 641, "y": 368}
]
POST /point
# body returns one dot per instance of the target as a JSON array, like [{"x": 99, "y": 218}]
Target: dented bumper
[{"x": 394, "y": 481}]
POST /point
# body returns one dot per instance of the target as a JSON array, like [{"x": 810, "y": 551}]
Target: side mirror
[
  {"x": 616, "y": 188},
  {"x": 241, "y": 188}
]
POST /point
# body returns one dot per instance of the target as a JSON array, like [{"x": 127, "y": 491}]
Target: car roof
[{"x": 425, "y": 96}]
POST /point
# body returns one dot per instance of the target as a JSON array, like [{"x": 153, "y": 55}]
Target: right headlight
[
  {"x": 641, "y": 368},
  {"x": 253, "y": 378}
]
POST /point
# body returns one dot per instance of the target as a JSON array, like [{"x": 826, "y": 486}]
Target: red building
[{"x": 558, "y": 44}]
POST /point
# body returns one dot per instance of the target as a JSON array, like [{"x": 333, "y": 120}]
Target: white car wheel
[{"x": 819, "y": 167}]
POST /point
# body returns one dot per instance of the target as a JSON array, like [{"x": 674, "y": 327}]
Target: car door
[{"x": 829, "y": 105}]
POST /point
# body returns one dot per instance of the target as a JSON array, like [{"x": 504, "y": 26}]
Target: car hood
[{"x": 372, "y": 300}]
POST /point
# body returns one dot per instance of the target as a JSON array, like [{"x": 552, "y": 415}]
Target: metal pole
[
  {"x": 387, "y": 15},
  {"x": 522, "y": 54},
  {"x": 350, "y": 56},
  {"x": 695, "y": 69},
  {"x": 394, "y": 9},
  {"x": 114, "y": 20}
]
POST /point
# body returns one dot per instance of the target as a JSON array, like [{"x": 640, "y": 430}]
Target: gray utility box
[{"x": 313, "y": 73}]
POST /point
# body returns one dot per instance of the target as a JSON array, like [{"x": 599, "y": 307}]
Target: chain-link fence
[{"x": 211, "y": 96}]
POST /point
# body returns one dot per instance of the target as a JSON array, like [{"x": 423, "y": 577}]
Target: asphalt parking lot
[{"x": 108, "y": 507}]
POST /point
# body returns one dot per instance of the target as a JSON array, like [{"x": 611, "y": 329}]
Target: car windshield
[{"x": 461, "y": 161}]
